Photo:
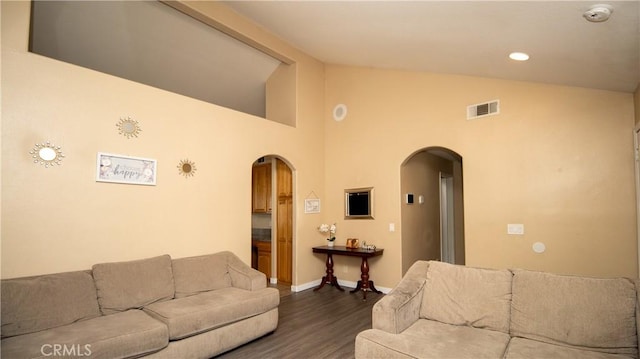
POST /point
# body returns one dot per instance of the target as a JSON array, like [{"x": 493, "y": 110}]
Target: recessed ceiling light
[{"x": 519, "y": 56}]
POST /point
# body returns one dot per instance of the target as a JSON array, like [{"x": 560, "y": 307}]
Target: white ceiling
[{"x": 465, "y": 37}]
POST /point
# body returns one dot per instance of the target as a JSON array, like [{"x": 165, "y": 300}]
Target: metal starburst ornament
[
  {"x": 187, "y": 168},
  {"x": 128, "y": 127}
]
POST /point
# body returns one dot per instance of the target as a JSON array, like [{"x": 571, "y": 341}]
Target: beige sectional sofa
[
  {"x": 194, "y": 307},
  {"x": 440, "y": 310}
]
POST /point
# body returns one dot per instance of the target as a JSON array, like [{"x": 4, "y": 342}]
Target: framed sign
[
  {"x": 312, "y": 205},
  {"x": 125, "y": 169}
]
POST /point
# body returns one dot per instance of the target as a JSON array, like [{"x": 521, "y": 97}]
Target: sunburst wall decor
[
  {"x": 187, "y": 168},
  {"x": 128, "y": 127},
  {"x": 47, "y": 154}
]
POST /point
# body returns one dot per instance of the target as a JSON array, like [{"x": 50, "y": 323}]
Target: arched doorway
[
  {"x": 272, "y": 219},
  {"x": 432, "y": 212}
]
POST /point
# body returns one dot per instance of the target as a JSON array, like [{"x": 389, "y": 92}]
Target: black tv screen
[{"x": 358, "y": 203}]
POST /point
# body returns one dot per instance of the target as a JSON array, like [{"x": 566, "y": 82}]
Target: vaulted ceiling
[
  {"x": 465, "y": 37},
  {"x": 154, "y": 44}
]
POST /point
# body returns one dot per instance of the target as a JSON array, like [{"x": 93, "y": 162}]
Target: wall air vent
[{"x": 483, "y": 109}]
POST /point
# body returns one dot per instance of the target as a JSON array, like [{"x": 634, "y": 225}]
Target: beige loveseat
[
  {"x": 193, "y": 307},
  {"x": 440, "y": 310}
]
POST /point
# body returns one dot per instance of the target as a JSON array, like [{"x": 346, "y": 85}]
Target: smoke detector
[{"x": 598, "y": 13}]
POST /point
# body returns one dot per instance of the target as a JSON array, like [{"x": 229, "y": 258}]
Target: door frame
[
  {"x": 272, "y": 160},
  {"x": 636, "y": 157}
]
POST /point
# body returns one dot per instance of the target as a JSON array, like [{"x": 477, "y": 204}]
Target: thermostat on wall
[{"x": 409, "y": 198}]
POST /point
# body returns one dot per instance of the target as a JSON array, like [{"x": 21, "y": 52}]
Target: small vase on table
[{"x": 330, "y": 232}]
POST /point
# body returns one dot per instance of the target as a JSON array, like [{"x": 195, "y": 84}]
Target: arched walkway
[
  {"x": 433, "y": 223},
  {"x": 272, "y": 221}
]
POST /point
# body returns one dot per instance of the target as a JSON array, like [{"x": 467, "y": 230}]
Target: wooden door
[
  {"x": 284, "y": 222},
  {"x": 283, "y": 176},
  {"x": 261, "y": 188}
]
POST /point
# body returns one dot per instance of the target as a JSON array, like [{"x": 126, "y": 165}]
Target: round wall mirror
[
  {"x": 128, "y": 127},
  {"x": 46, "y": 154}
]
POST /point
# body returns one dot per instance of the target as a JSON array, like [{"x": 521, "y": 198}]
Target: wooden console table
[{"x": 364, "y": 283}]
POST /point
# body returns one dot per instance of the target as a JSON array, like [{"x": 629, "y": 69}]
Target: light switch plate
[{"x": 516, "y": 228}]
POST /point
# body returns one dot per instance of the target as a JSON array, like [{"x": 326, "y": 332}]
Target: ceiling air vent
[{"x": 483, "y": 109}]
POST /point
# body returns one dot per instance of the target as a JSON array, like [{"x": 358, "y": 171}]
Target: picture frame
[
  {"x": 115, "y": 168},
  {"x": 312, "y": 205},
  {"x": 353, "y": 243},
  {"x": 358, "y": 203}
]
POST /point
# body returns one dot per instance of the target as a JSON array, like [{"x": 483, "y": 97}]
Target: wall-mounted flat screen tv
[{"x": 358, "y": 203}]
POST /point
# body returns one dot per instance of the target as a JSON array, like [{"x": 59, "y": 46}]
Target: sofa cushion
[
  {"x": 593, "y": 313},
  {"x": 431, "y": 339},
  {"x": 462, "y": 295},
  {"x": 521, "y": 348},
  {"x": 191, "y": 315},
  {"x": 38, "y": 303},
  {"x": 199, "y": 274},
  {"x": 122, "y": 335},
  {"x": 134, "y": 284}
]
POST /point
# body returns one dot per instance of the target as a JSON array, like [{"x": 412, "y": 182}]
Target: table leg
[
  {"x": 329, "y": 278},
  {"x": 373, "y": 287}
]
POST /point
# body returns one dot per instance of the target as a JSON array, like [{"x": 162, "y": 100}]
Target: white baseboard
[
  {"x": 343, "y": 283},
  {"x": 305, "y": 286},
  {"x": 384, "y": 290},
  {"x": 347, "y": 283}
]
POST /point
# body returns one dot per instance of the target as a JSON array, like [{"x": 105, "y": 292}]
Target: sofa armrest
[
  {"x": 243, "y": 276},
  {"x": 637, "y": 282},
  {"x": 401, "y": 307}
]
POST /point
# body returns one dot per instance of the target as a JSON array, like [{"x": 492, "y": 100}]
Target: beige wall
[
  {"x": 636, "y": 98},
  {"x": 60, "y": 219},
  {"x": 557, "y": 159},
  {"x": 281, "y": 95},
  {"x": 458, "y": 213}
]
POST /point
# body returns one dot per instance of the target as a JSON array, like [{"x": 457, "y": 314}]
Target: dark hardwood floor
[{"x": 321, "y": 324}]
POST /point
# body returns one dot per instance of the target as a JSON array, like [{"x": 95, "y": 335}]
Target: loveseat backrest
[
  {"x": 134, "y": 284},
  {"x": 593, "y": 313},
  {"x": 32, "y": 304},
  {"x": 193, "y": 275},
  {"x": 460, "y": 295}
]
